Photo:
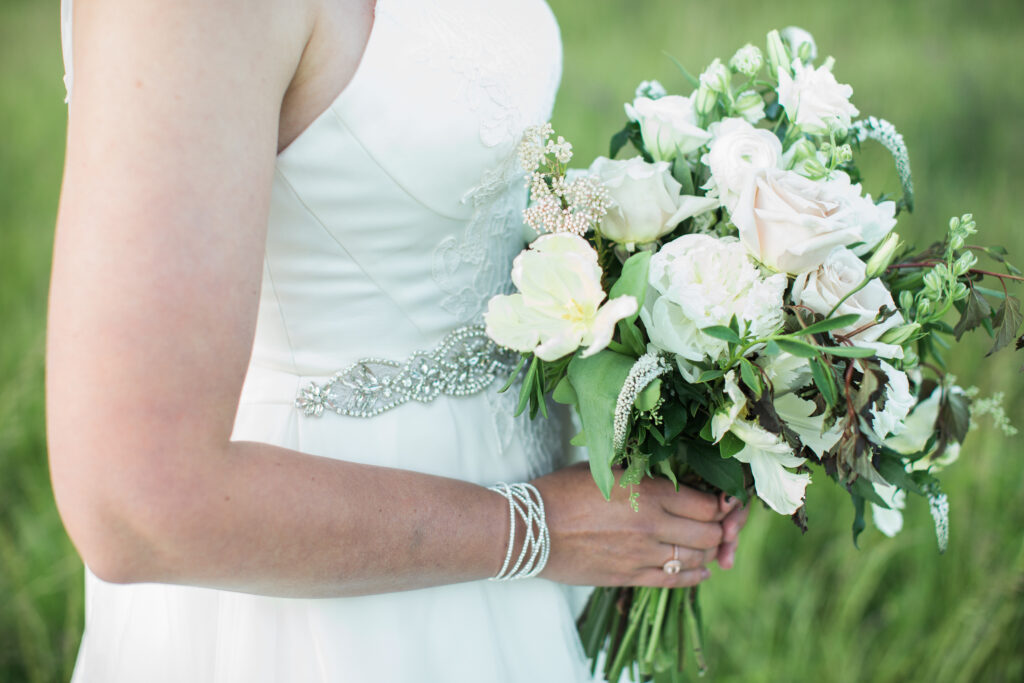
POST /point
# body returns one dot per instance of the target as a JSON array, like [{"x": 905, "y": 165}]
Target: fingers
[
  {"x": 688, "y": 533},
  {"x": 732, "y": 524},
  {"x": 658, "y": 578},
  {"x": 692, "y": 504}
]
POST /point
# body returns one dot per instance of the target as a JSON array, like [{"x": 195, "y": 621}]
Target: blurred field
[{"x": 948, "y": 74}]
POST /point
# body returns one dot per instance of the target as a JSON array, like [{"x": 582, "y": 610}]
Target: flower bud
[
  {"x": 899, "y": 335},
  {"x": 844, "y": 154},
  {"x": 748, "y": 60},
  {"x": 704, "y": 100},
  {"x": 960, "y": 291},
  {"x": 883, "y": 255},
  {"x": 800, "y": 43},
  {"x": 924, "y": 308},
  {"x": 716, "y": 77},
  {"x": 956, "y": 242},
  {"x": 750, "y": 105},
  {"x": 906, "y": 300},
  {"x": 652, "y": 90},
  {"x": 778, "y": 55}
]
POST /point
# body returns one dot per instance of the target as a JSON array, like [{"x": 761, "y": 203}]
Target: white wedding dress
[{"x": 394, "y": 217}]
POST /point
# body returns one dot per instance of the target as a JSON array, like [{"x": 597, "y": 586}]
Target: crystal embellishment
[{"x": 465, "y": 362}]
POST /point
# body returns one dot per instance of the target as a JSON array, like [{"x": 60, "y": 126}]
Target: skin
[{"x": 179, "y": 110}]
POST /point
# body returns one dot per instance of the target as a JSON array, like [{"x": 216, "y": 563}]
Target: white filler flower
[
  {"x": 558, "y": 307},
  {"x": 698, "y": 281}
]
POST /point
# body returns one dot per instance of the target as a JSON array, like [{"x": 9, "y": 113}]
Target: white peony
[
  {"x": 768, "y": 454},
  {"x": 668, "y": 126},
  {"x": 697, "y": 281},
  {"x": 558, "y": 307},
  {"x": 812, "y": 97},
  {"x": 791, "y": 224},
  {"x": 646, "y": 203},
  {"x": 736, "y": 151},
  {"x": 821, "y": 289}
]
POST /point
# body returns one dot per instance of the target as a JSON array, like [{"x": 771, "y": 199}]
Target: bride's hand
[{"x": 606, "y": 543}]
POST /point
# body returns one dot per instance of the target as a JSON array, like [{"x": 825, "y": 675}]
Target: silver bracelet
[{"x": 524, "y": 502}]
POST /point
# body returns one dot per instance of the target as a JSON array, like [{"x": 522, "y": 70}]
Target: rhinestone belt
[{"x": 465, "y": 362}]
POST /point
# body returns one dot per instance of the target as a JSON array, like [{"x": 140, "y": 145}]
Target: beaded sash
[{"x": 465, "y": 362}]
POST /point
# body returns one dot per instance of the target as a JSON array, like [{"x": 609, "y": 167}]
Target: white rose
[
  {"x": 843, "y": 271},
  {"x": 874, "y": 221},
  {"x": 790, "y": 223},
  {"x": 558, "y": 307},
  {"x": 668, "y": 126},
  {"x": 646, "y": 203},
  {"x": 697, "y": 281},
  {"x": 738, "y": 149},
  {"x": 813, "y": 97}
]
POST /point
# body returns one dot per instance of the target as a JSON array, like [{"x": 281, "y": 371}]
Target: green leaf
[
  {"x": 724, "y": 473},
  {"x": 564, "y": 393},
  {"x": 682, "y": 69},
  {"x": 893, "y": 471},
  {"x": 721, "y": 332},
  {"x": 730, "y": 445},
  {"x": 797, "y": 348},
  {"x": 824, "y": 380},
  {"x": 709, "y": 375},
  {"x": 683, "y": 174},
  {"x": 580, "y": 440},
  {"x": 631, "y": 337},
  {"x": 633, "y": 280},
  {"x": 831, "y": 324},
  {"x": 618, "y": 141},
  {"x": 771, "y": 348},
  {"x": 527, "y": 390},
  {"x": 648, "y": 398},
  {"x": 665, "y": 467},
  {"x": 674, "y": 419},
  {"x": 751, "y": 377},
  {"x": 954, "y": 415},
  {"x": 848, "y": 351},
  {"x": 515, "y": 373},
  {"x": 598, "y": 381},
  {"x": 1007, "y": 321},
  {"x": 858, "y": 517},
  {"x": 863, "y": 488},
  {"x": 976, "y": 310}
]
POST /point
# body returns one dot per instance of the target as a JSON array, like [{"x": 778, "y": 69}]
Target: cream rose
[
  {"x": 874, "y": 221},
  {"x": 842, "y": 272},
  {"x": 646, "y": 203},
  {"x": 790, "y": 223},
  {"x": 558, "y": 307},
  {"x": 668, "y": 126},
  {"x": 697, "y": 281},
  {"x": 738, "y": 149},
  {"x": 812, "y": 97}
]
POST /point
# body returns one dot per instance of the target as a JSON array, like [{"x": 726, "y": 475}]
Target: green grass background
[{"x": 949, "y": 74}]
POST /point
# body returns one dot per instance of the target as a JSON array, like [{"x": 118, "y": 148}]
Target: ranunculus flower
[
  {"x": 668, "y": 126},
  {"x": 768, "y": 454},
  {"x": 738, "y": 149},
  {"x": 646, "y": 203},
  {"x": 558, "y": 307},
  {"x": 791, "y": 224},
  {"x": 697, "y": 281},
  {"x": 842, "y": 271},
  {"x": 812, "y": 97}
]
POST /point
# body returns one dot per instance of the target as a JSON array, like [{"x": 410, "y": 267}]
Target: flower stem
[
  {"x": 853, "y": 291},
  {"x": 659, "y": 619}
]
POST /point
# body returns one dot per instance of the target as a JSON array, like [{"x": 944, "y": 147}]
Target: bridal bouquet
[{"x": 729, "y": 309}]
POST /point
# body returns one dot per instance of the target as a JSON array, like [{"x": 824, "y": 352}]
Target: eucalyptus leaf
[
  {"x": 647, "y": 399},
  {"x": 597, "y": 381},
  {"x": 564, "y": 393}
]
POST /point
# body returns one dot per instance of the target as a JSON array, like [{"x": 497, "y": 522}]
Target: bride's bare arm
[{"x": 172, "y": 139}]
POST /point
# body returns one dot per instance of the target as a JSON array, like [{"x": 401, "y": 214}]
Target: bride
[{"x": 270, "y": 208}]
